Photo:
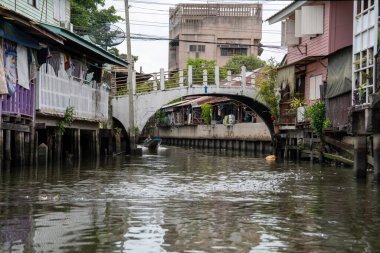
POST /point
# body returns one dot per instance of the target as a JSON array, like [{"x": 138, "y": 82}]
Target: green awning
[
  {"x": 339, "y": 71},
  {"x": 100, "y": 52}
]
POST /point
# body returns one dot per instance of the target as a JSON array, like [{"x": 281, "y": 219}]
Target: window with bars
[
  {"x": 197, "y": 48},
  {"x": 233, "y": 51}
]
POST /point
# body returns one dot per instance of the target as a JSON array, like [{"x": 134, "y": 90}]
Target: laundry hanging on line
[
  {"x": 10, "y": 65},
  {"x": 3, "y": 80},
  {"x": 22, "y": 67}
]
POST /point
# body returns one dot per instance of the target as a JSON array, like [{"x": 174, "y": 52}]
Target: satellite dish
[{"x": 107, "y": 35}]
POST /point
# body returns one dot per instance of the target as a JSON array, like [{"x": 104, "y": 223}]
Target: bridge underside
[
  {"x": 262, "y": 111},
  {"x": 146, "y": 105}
]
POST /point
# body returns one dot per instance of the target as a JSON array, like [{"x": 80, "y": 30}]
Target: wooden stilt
[
  {"x": 27, "y": 147},
  {"x": 8, "y": 152},
  {"x": 19, "y": 145},
  {"x": 1, "y": 145},
  {"x": 57, "y": 148}
]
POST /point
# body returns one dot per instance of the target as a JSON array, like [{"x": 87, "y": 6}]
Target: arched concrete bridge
[{"x": 147, "y": 104}]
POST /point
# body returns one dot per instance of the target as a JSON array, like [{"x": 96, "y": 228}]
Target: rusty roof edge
[{"x": 31, "y": 23}]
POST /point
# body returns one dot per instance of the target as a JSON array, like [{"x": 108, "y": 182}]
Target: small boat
[{"x": 152, "y": 144}]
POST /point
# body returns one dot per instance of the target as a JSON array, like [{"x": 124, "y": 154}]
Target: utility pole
[{"x": 132, "y": 137}]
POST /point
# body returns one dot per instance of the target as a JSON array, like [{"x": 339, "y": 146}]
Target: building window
[
  {"x": 233, "y": 51},
  {"x": 59, "y": 10},
  {"x": 197, "y": 48},
  {"x": 33, "y": 3},
  {"x": 193, "y": 48},
  {"x": 315, "y": 90}
]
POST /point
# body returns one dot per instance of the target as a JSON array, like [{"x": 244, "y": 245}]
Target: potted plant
[{"x": 294, "y": 104}]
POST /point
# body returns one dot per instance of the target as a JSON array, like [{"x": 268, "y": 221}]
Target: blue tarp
[{"x": 12, "y": 33}]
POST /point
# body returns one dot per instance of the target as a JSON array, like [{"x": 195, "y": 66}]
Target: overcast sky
[{"x": 151, "y": 17}]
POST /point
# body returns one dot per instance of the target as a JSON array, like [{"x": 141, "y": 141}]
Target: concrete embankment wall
[{"x": 242, "y": 136}]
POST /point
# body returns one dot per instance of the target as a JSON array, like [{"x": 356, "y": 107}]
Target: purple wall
[{"x": 21, "y": 103}]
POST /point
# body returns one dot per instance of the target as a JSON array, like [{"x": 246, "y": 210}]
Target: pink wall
[
  {"x": 341, "y": 25},
  {"x": 317, "y": 46},
  {"x": 337, "y": 32},
  {"x": 314, "y": 69}
]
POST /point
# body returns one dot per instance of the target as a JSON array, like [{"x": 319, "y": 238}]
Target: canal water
[{"x": 188, "y": 200}]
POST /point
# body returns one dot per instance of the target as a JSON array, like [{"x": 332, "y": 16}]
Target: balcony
[
  {"x": 56, "y": 93},
  {"x": 20, "y": 104}
]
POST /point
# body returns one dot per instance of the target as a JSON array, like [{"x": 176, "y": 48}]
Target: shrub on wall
[{"x": 206, "y": 113}]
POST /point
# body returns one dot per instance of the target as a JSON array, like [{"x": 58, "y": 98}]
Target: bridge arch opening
[{"x": 259, "y": 108}]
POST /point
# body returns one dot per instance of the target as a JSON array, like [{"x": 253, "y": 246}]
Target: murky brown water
[{"x": 185, "y": 200}]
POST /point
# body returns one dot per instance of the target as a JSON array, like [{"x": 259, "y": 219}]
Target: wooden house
[
  {"x": 64, "y": 101},
  {"x": 313, "y": 32}
]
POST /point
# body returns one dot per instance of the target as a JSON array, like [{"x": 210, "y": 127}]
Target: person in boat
[{"x": 147, "y": 139}]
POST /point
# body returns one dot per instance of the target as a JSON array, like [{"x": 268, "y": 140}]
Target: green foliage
[
  {"x": 86, "y": 15},
  {"x": 266, "y": 82},
  {"x": 116, "y": 52},
  {"x": 117, "y": 131},
  {"x": 199, "y": 65},
  {"x": 252, "y": 62},
  {"x": 161, "y": 118},
  {"x": 206, "y": 113},
  {"x": 296, "y": 102},
  {"x": 327, "y": 123},
  {"x": 317, "y": 116},
  {"x": 67, "y": 120}
]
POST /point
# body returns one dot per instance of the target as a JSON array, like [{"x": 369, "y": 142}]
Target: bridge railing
[{"x": 192, "y": 76}]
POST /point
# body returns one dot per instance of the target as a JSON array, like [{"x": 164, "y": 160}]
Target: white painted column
[
  {"x": 134, "y": 88},
  {"x": 217, "y": 77},
  {"x": 154, "y": 81},
  {"x": 190, "y": 76},
  {"x": 162, "y": 79},
  {"x": 243, "y": 77},
  {"x": 181, "y": 78},
  {"x": 205, "y": 77},
  {"x": 229, "y": 76}
]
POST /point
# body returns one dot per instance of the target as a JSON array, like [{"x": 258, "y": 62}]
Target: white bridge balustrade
[{"x": 56, "y": 93}]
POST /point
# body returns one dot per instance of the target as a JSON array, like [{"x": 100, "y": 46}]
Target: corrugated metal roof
[{"x": 100, "y": 52}]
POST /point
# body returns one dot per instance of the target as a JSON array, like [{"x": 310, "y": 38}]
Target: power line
[{"x": 160, "y": 24}]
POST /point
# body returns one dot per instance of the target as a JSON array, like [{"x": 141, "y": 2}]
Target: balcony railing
[
  {"x": 20, "y": 104},
  {"x": 56, "y": 93}
]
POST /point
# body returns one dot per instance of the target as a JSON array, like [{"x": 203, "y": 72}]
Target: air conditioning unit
[{"x": 67, "y": 25}]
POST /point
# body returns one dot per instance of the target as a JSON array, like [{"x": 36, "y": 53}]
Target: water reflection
[{"x": 187, "y": 200}]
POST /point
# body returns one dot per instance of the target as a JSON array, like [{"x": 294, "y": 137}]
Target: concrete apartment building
[{"x": 225, "y": 29}]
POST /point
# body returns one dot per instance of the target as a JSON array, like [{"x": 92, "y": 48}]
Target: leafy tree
[
  {"x": 86, "y": 15},
  {"x": 206, "y": 113},
  {"x": 199, "y": 65},
  {"x": 252, "y": 62},
  {"x": 266, "y": 82},
  {"x": 316, "y": 113},
  {"x": 116, "y": 52}
]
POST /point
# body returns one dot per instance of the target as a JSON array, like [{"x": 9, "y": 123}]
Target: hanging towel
[
  {"x": 55, "y": 61},
  {"x": 67, "y": 61},
  {"x": 10, "y": 65},
  {"x": 33, "y": 65},
  {"x": 3, "y": 80},
  {"x": 22, "y": 66}
]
